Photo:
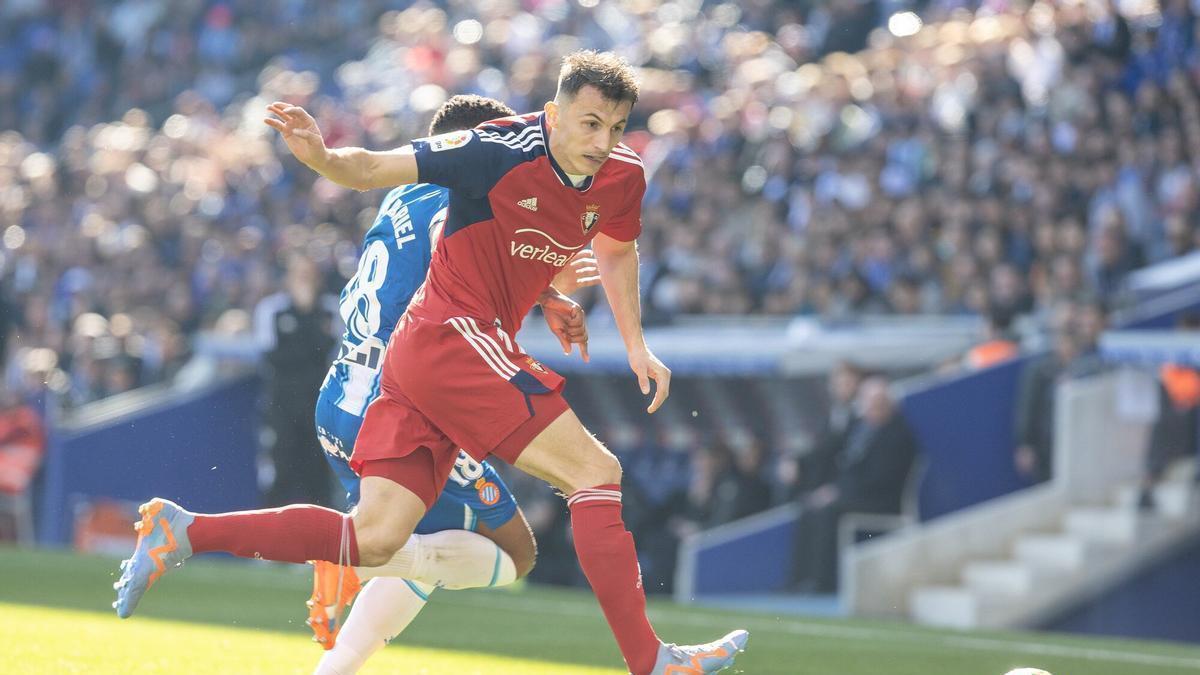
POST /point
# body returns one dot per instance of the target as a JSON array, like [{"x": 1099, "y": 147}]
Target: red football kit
[{"x": 453, "y": 376}]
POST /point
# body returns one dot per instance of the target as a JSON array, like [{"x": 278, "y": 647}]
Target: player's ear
[{"x": 551, "y": 109}]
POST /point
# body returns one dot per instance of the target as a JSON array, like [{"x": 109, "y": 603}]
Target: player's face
[{"x": 585, "y": 129}]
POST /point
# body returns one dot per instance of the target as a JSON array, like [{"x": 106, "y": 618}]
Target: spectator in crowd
[
  {"x": 1176, "y": 432},
  {"x": 295, "y": 329},
  {"x": 870, "y": 477},
  {"x": 1040, "y": 155}
]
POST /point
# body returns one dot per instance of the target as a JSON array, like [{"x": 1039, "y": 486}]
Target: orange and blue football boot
[
  {"x": 162, "y": 543},
  {"x": 334, "y": 587},
  {"x": 700, "y": 659}
]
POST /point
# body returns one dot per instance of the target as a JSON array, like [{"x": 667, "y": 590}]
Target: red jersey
[{"x": 515, "y": 218}]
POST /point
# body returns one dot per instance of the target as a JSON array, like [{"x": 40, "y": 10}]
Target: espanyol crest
[{"x": 590, "y": 217}]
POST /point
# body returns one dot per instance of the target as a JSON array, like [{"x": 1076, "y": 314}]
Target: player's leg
[
  {"x": 387, "y": 605},
  {"x": 384, "y": 608},
  {"x": 451, "y": 557},
  {"x": 446, "y": 552},
  {"x": 385, "y": 516},
  {"x": 516, "y": 539},
  {"x": 565, "y": 455}
]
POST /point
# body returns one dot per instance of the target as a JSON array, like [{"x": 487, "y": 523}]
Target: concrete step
[
  {"x": 1054, "y": 552},
  {"x": 954, "y": 607},
  {"x": 1172, "y": 500},
  {"x": 1011, "y": 578},
  {"x": 1107, "y": 525}
]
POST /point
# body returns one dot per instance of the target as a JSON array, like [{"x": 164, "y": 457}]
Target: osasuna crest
[
  {"x": 533, "y": 363},
  {"x": 590, "y": 217}
]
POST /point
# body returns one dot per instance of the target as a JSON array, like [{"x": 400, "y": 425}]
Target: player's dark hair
[
  {"x": 605, "y": 71},
  {"x": 466, "y": 111}
]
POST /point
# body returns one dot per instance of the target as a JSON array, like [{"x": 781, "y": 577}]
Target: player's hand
[
  {"x": 647, "y": 367},
  {"x": 299, "y": 131},
  {"x": 581, "y": 271},
  {"x": 566, "y": 320}
]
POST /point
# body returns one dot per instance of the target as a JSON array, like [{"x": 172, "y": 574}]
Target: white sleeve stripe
[
  {"x": 512, "y": 140},
  {"x": 511, "y": 133},
  {"x": 529, "y": 145},
  {"x": 526, "y": 148},
  {"x": 622, "y": 158},
  {"x": 523, "y": 136}
]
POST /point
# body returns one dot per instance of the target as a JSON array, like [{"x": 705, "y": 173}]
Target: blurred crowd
[
  {"x": 996, "y": 161},
  {"x": 804, "y": 158}
]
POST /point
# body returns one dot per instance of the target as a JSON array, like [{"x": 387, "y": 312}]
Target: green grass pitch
[{"x": 217, "y": 616}]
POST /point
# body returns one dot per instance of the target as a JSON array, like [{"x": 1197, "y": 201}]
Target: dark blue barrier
[
  {"x": 757, "y": 563},
  {"x": 198, "y": 449},
  {"x": 1161, "y": 603},
  {"x": 965, "y": 431}
]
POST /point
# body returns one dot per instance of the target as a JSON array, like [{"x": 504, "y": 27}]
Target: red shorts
[{"x": 445, "y": 386}]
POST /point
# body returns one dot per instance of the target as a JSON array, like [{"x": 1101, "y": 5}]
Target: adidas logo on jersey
[{"x": 530, "y": 203}]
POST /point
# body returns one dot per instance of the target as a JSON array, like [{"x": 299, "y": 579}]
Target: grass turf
[{"x": 221, "y": 616}]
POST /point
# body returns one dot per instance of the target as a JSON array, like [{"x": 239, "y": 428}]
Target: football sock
[
  {"x": 453, "y": 559},
  {"x": 296, "y": 534},
  {"x": 383, "y": 609},
  {"x": 609, "y": 561}
]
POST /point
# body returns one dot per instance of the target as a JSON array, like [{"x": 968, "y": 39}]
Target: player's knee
[
  {"x": 606, "y": 471},
  {"x": 378, "y": 541},
  {"x": 377, "y": 548},
  {"x": 600, "y": 468}
]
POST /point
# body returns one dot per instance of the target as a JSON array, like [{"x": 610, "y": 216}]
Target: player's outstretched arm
[
  {"x": 617, "y": 262},
  {"x": 355, "y": 168}
]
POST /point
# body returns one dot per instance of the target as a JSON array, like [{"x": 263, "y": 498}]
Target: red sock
[
  {"x": 609, "y": 561},
  {"x": 296, "y": 534}
]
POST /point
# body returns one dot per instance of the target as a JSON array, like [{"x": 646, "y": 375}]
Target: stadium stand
[{"x": 807, "y": 165}]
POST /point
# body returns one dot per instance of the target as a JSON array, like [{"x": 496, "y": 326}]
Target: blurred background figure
[
  {"x": 22, "y": 444},
  {"x": 295, "y": 330},
  {"x": 1176, "y": 432},
  {"x": 998, "y": 344},
  {"x": 869, "y": 476},
  {"x": 1073, "y": 355},
  {"x": 815, "y": 468}
]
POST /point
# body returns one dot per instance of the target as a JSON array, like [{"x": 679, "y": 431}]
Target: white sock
[
  {"x": 383, "y": 609},
  {"x": 453, "y": 559}
]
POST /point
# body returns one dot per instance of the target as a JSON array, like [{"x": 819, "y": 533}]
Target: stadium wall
[
  {"x": 965, "y": 431},
  {"x": 198, "y": 448},
  {"x": 1136, "y": 608}
]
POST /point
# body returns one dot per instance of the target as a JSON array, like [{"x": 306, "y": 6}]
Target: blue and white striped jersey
[{"x": 393, "y": 264}]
